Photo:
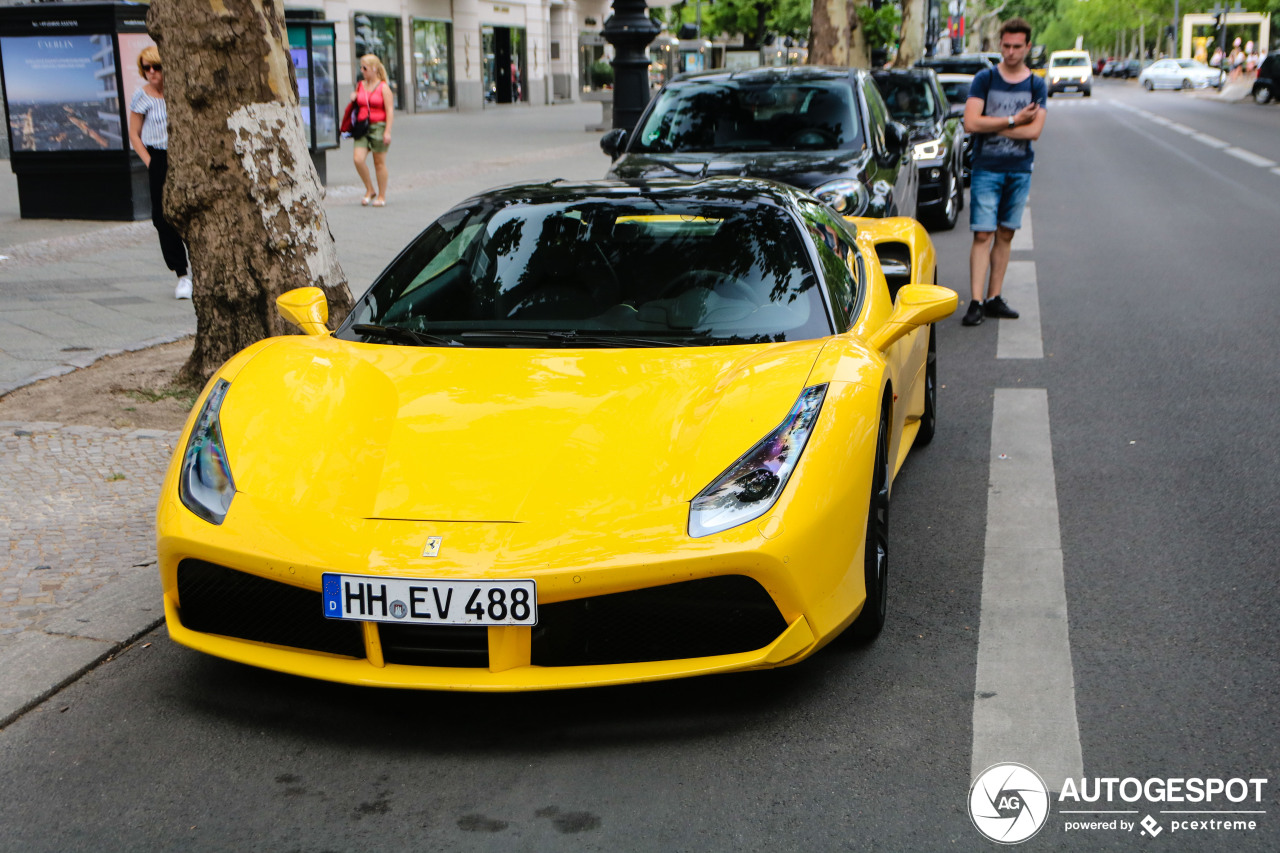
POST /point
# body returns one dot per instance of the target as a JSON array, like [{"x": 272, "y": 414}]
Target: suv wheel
[{"x": 1262, "y": 94}]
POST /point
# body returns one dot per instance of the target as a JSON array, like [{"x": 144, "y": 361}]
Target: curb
[{"x": 95, "y": 630}]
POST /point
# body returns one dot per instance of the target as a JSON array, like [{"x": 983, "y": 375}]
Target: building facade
[{"x": 465, "y": 54}]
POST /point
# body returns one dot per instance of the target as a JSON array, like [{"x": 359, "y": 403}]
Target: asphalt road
[{"x": 1155, "y": 256}]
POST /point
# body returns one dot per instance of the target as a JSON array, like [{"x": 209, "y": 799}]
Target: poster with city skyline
[{"x": 62, "y": 91}]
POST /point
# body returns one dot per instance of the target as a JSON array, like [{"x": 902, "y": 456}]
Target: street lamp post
[{"x": 630, "y": 30}]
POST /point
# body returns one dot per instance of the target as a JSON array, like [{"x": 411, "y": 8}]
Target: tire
[
  {"x": 875, "y": 563},
  {"x": 945, "y": 218},
  {"x": 1263, "y": 95},
  {"x": 1088, "y": 92},
  {"x": 929, "y": 420},
  {"x": 1148, "y": 85},
  {"x": 1186, "y": 84}
]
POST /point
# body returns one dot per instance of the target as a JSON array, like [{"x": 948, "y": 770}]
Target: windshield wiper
[
  {"x": 402, "y": 333},
  {"x": 567, "y": 337}
]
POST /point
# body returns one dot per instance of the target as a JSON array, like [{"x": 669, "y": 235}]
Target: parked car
[
  {"x": 1266, "y": 87},
  {"x": 1180, "y": 74},
  {"x": 1069, "y": 71},
  {"x": 956, "y": 88},
  {"x": 960, "y": 63},
  {"x": 1127, "y": 69},
  {"x": 916, "y": 99},
  {"x": 1106, "y": 67},
  {"x": 574, "y": 435},
  {"x": 825, "y": 130}
]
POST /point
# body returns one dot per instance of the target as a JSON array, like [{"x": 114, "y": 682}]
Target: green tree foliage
[
  {"x": 751, "y": 19},
  {"x": 1057, "y": 23}
]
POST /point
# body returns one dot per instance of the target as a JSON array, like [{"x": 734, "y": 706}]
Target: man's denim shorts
[{"x": 992, "y": 193}]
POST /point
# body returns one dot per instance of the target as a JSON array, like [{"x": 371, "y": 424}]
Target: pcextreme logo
[{"x": 1010, "y": 803}]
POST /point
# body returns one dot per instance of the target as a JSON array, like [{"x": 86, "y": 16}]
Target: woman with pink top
[{"x": 374, "y": 95}]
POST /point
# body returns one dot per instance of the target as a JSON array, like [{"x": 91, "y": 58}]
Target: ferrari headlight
[
  {"x": 930, "y": 150},
  {"x": 751, "y": 486},
  {"x": 205, "y": 483},
  {"x": 846, "y": 197}
]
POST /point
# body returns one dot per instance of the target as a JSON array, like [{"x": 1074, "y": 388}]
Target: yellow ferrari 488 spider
[{"x": 573, "y": 435}]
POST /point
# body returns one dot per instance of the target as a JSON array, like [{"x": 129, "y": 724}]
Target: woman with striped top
[{"x": 149, "y": 136}]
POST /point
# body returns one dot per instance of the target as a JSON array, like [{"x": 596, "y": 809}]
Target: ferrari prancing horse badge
[{"x": 432, "y": 548}]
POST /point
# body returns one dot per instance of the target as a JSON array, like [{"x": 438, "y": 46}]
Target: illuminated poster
[
  {"x": 63, "y": 93},
  {"x": 131, "y": 46}
]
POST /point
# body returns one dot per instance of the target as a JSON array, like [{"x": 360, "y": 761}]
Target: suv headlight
[
  {"x": 930, "y": 150},
  {"x": 204, "y": 484},
  {"x": 846, "y": 196},
  {"x": 751, "y": 486}
]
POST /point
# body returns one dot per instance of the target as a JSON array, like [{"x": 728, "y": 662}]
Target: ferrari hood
[{"x": 450, "y": 434}]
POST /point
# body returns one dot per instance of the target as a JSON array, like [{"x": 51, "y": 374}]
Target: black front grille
[
  {"x": 217, "y": 600},
  {"x": 435, "y": 645},
  {"x": 712, "y": 616}
]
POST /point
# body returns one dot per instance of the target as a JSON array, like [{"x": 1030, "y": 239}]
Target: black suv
[
  {"x": 915, "y": 98},
  {"x": 1266, "y": 87},
  {"x": 825, "y": 130}
]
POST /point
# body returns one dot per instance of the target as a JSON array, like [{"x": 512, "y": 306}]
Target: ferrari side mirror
[
  {"x": 305, "y": 307},
  {"x": 917, "y": 305}
]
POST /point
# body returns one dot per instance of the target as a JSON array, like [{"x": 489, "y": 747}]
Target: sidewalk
[{"x": 78, "y": 578}]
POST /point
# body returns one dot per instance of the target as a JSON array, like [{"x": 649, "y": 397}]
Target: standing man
[{"x": 1005, "y": 111}]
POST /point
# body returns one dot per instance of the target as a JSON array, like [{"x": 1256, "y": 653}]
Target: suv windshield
[
  {"x": 909, "y": 99},
  {"x": 752, "y": 114},
  {"x": 598, "y": 270},
  {"x": 1060, "y": 61}
]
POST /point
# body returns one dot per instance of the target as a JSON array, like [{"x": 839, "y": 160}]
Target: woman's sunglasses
[{"x": 156, "y": 67}]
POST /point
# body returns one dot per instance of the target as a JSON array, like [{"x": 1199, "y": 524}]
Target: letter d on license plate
[{"x": 428, "y": 601}]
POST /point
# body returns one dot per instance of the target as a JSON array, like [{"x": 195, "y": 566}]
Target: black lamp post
[{"x": 629, "y": 30}]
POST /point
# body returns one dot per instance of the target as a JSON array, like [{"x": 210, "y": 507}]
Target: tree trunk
[
  {"x": 241, "y": 188},
  {"x": 836, "y": 37},
  {"x": 915, "y": 14}
]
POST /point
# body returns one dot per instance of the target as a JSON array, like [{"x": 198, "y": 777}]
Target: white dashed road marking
[
  {"x": 1021, "y": 338},
  {"x": 1251, "y": 158},
  {"x": 1024, "y": 705}
]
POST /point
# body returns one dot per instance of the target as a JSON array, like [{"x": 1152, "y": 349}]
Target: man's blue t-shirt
[{"x": 993, "y": 153}]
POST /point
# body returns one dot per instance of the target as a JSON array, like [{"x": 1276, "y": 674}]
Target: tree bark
[
  {"x": 241, "y": 187},
  {"x": 836, "y": 36},
  {"x": 911, "y": 48}
]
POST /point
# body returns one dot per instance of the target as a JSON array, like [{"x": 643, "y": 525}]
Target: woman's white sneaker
[{"x": 183, "y": 290}]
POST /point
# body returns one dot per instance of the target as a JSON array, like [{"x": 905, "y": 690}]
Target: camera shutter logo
[{"x": 1008, "y": 803}]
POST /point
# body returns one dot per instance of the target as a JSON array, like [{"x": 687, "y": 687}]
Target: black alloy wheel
[
  {"x": 929, "y": 420},
  {"x": 944, "y": 219},
  {"x": 876, "y": 559}
]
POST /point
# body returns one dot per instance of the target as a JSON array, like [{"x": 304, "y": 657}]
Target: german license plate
[{"x": 426, "y": 601}]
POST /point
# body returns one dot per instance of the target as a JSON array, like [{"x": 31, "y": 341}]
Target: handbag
[{"x": 352, "y": 124}]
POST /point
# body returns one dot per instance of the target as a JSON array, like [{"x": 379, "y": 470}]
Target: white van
[{"x": 1069, "y": 71}]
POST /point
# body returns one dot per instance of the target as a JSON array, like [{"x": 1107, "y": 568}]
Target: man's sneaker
[
  {"x": 997, "y": 307},
  {"x": 973, "y": 316},
  {"x": 183, "y": 290}
]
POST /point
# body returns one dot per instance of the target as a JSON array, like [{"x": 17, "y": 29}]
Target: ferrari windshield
[
  {"x": 598, "y": 270},
  {"x": 752, "y": 114}
]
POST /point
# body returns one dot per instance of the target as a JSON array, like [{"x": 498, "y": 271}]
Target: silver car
[{"x": 1179, "y": 74}]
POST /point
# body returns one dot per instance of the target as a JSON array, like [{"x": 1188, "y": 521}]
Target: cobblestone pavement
[
  {"x": 78, "y": 512},
  {"x": 77, "y": 504}
]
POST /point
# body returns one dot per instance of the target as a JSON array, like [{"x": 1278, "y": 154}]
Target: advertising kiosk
[
  {"x": 313, "y": 47},
  {"x": 68, "y": 71}
]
